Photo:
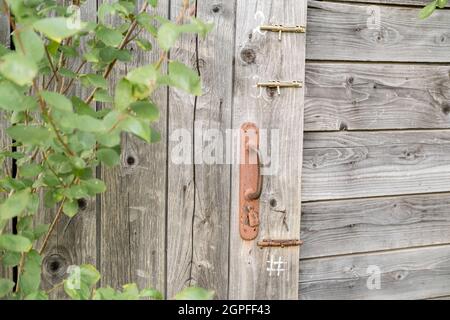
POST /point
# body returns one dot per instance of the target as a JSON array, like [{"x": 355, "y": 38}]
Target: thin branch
[
  {"x": 19, "y": 271},
  {"x": 73, "y": 79},
  {"x": 46, "y": 113},
  {"x": 52, "y": 226},
  {"x": 122, "y": 45},
  {"x": 52, "y": 66}
]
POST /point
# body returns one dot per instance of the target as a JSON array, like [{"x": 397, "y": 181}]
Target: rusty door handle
[
  {"x": 250, "y": 182},
  {"x": 253, "y": 194}
]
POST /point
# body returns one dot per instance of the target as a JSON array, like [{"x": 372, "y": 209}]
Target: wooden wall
[
  {"x": 376, "y": 173},
  {"x": 167, "y": 225}
]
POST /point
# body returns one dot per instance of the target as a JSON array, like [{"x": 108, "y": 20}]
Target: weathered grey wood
[
  {"x": 362, "y": 164},
  {"x": 355, "y": 96},
  {"x": 74, "y": 240},
  {"x": 199, "y": 194},
  {"x": 440, "y": 298},
  {"x": 338, "y": 31},
  {"x": 4, "y": 140},
  {"x": 352, "y": 226},
  {"x": 419, "y": 3},
  {"x": 132, "y": 230},
  {"x": 261, "y": 57},
  {"x": 406, "y": 274}
]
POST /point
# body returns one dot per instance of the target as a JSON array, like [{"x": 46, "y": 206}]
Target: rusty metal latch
[
  {"x": 280, "y": 84},
  {"x": 281, "y": 28},
  {"x": 280, "y": 243},
  {"x": 250, "y": 182}
]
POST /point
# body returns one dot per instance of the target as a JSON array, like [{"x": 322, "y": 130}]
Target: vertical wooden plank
[
  {"x": 74, "y": 240},
  {"x": 132, "y": 235},
  {"x": 4, "y": 140},
  {"x": 199, "y": 191},
  {"x": 269, "y": 273}
]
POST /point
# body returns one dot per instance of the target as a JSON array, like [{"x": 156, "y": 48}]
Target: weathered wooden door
[
  {"x": 269, "y": 272},
  {"x": 204, "y": 244}
]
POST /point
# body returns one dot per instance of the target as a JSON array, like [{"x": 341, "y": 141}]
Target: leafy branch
[{"x": 59, "y": 138}]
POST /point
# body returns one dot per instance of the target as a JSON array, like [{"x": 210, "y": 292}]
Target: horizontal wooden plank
[
  {"x": 440, "y": 298},
  {"x": 406, "y": 274},
  {"x": 355, "y": 96},
  {"x": 338, "y": 31},
  {"x": 352, "y": 226},
  {"x": 420, "y": 3},
  {"x": 340, "y": 165}
]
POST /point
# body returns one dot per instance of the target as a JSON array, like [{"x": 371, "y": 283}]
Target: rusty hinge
[
  {"x": 280, "y": 84},
  {"x": 281, "y": 28},
  {"x": 280, "y": 243},
  {"x": 250, "y": 182}
]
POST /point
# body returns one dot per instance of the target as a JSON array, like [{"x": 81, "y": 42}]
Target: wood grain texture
[
  {"x": 199, "y": 191},
  {"x": 261, "y": 57},
  {"x": 363, "y": 164},
  {"x": 132, "y": 231},
  {"x": 353, "y": 226},
  {"x": 74, "y": 240},
  {"x": 357, "y": 96},
  {"x": 4, "y": 140},
  {"x": 419, "y": 3},
  {"x": 406, "y": 274},
  {"x": 338, "y": 31}
]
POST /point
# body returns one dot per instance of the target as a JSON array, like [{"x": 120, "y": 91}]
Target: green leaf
[
  {"x": 83, "y": 123},
  {"x": 442, "y": 3},
  {"x": 18, "y": 68},
  {"x": 94, "y": 186},
  {"x": 30, "y": 278},
  {"x": 146, "y": 75},
  {"x": 58, "y": 28},
  {"x": 182, "y": 77},
  {"x": 11, "y": 259},
  {"x": 168, "y": 35},
  {"x": 104, "y": 10},
  {"x": 124, "y": 95},
  {"x": 33, "y": 135},
  {"x": 3, "y": 50},
  {"x": 139, "y": 128},
  {"x": 28, "y": 43},
  {"x": 145, "y": 110},
  {"x": 15, "y": 204},
  {"x": 70, "y": 208},
  {"x": 110, "y": 37},
  {"x": 151, "y": 293},
  {"x": 95, "y": 80},
  {"x": 194, "y": 293},
  {"x": 37, "y": 295},
  {"x": 56, "y": 100},
  {"x": 30, "y": 170},
  {"x": 153, "y": 3},
  {"x": 105, "y": 294},
  {"x": 67, "y": 73},
  {"x": 40, "y": 230},
  {"x": 15, "y": 243},
  {"x": 11, "y": 97},
  {"x": 81, "y": 281},
  {"x": 103, "y": 96},
  {"x": 144, "y": 44},
  {"x": 146, "y": 21},
  {"x": 108, "y": 156},
  {"x": 130, "y": 292},
  {"x": 6, "y": 287},
  {"x": 428, "y": 10}
]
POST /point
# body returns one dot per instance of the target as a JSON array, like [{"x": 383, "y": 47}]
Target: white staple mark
[{"x": 278, "y": 264}]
